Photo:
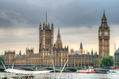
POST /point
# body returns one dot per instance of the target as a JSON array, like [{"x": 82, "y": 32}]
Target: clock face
[{"x": 106, "y": 33}]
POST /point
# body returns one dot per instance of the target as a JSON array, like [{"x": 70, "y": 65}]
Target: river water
[{"x": 69, "y": 76}]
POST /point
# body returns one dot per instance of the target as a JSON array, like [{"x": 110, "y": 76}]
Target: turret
[
  {"x": 40, "y": 26},
  {"x": 81, "y": 48},
  {"x": 9, "y": 57},
  {"x": 46, "y": 36},
  {"x": 52, "y": 26},
  {"x": 29, "y": 52},
  {"x": 52, "y": 35},
  {"x": 20, "y": 53},
  {"x": 43, "y": 25},
  {"x": 59, "y": 41},
  {"x": 92, "y": 52},
  {"x": 104, "y": 37},
  {"x": 67, "y": 47}
]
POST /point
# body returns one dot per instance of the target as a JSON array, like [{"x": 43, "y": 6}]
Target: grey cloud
[
  {"x": 18, "y": 35},
  {"x": 63, "y": 13},
  {"x": 11, "y": 18}
]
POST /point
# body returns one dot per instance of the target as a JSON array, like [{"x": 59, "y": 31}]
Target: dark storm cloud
[
  {"x": 63, "y": 13},
  {"x": 10, "y": 18},
  {"x": 88, "y": 12}
]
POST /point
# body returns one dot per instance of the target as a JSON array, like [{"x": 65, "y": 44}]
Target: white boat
[
  {"x": 25, "y": 72},
  {"x": 86, "y": 71}
]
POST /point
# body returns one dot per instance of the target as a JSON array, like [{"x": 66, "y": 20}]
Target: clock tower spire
[{"x": 104, "y": 37}]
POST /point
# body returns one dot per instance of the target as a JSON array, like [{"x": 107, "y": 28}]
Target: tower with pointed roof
[
  {"x": 104, "y": 37},
  {"x": 81, "y": 48},
  {"x": 46, "y": 36},
  {"x": 59, "y": 41}
]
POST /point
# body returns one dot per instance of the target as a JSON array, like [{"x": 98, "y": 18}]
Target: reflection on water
[{"x": 68, "y": 76}]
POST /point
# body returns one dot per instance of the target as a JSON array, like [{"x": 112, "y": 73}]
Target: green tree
[
  {"x": 96, "y": 62},
  {"x": 1, "y": 59},
  {"x": 107, "y": 62}
]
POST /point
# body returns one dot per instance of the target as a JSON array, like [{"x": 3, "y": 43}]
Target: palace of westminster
[{"x": 50, "y": 52}]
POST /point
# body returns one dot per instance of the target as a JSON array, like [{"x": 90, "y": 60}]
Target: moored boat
[
  {"x": 86, "y": 71},
  {"x": 116, "y": 67},
  {"x": 102, "y": 71}
]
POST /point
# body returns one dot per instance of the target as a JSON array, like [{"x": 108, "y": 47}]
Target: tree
[
  {"x": 107, "y": 62},
  {"x": 96, "y": 62},
  {"x": 1, "y": 59}
]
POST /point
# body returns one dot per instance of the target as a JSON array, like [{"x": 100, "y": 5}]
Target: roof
[
  {"x": 104, "y": 15},
  {"x": 81, "y": 46},
  {"x": 20, "y": 57},
  {"x": 117, "y": 51},
  {"x": 77, "y": 55},
  {"x": 38, "y": 54}
]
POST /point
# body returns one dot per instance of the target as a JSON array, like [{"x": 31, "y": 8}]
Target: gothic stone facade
[
  {"x": 116, "y": 58},
  {"x": 59, "y": 58},
  {"x": 104, "y": 37},
  {"x": 50, "y": 52}
]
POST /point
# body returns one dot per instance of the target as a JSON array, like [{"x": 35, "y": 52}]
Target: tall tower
[
  {"x": 59, "y": 41},
  {"x": 81, "y": 48},
  {"x": 46, "y": 36},
  {"x": 9, "y": 57},
  {"x": 104, "y": 37}
]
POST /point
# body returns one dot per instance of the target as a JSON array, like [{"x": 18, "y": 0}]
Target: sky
[{"x": 78, "y": 21}]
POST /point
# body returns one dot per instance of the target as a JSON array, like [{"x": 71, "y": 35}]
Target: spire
[
  {"x": 81, "y": 46},
  {"x": 20, "y": 53},
  {"x": 104, "y": 19},
  {"x": 40, "y": 25},
  {"x": 58, "y": 36},
  {"x": 92, "y": 52},
  {"x": 104, "y": 14},
  {"x": 46, "y": 24},
  {"x": 58, "y": 41},
  {"x": 81, "y": 49},
  {"x": 52, "y": 26},
  {"x": 46, "y": 17}
]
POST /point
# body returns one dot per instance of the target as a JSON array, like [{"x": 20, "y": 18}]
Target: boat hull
[
  {"x": 87, "y": 72},
  {"x": 116, "y": 67}
]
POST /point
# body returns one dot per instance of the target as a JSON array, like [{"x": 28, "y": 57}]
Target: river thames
[{"x": 68, "y": 76}]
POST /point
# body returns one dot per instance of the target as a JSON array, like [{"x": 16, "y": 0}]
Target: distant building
[
  {"x": 50, "y": 52},
  {"x": 46, "y": 37},
  {"x": 81, "y": 48},
  {"x": 116, "y": 58},
  {"x": 82, "y": 60},
  {"x": 104, "y": 37},
  {"x": 9, "y": 57}
]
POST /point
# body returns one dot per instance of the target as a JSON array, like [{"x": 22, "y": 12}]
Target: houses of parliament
[{"x": 50, "y": 52}]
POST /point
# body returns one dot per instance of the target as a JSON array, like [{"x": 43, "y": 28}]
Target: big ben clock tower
[{"x": 104, "y": 37}]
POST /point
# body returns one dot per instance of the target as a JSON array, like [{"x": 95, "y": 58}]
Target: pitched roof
[{"x": 117, "y": 51}]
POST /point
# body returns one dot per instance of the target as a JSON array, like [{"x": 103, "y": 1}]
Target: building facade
[
  {"x": 49, "y": 52},
  {"x": 116, "y": 58},
  {"x": 54, "y": 53},
  {"x": 104, "y": 37},
  {"x": 46, "y": 37}
]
